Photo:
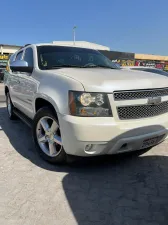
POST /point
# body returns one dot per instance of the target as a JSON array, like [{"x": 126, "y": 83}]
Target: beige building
[
  {"x": 151, "y": 57},
  {"x": 5, "y": 51},
  {"x": 8, "y": 49},
  {"x": 82, "y": 44}
]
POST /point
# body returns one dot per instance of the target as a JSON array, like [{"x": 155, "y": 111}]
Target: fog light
[{"x": 88, "y": 147}]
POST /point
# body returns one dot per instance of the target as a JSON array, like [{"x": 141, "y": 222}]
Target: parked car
[
  {"x": 1, "y": 74},
  {"x": 146, "y": 69},
  {"x": 79, "y": 103}
]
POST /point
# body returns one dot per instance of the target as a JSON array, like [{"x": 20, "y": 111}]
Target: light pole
[{"x": 74, "y": 28}]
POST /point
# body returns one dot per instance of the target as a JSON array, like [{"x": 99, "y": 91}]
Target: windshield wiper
[
  {"x": 76, "y": 66},
  {"x": 98, "y": 66},
  {"x": 63, "y": 66}
]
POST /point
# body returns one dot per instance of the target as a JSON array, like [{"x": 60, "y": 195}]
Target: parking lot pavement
[
  {"x": 115, "y": 191},
  {"x": 2, "y": 95}
]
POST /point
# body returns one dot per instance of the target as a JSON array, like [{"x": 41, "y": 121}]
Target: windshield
[{"x": 50, "y": 57}]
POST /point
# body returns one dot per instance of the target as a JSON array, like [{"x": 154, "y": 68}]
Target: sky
[{"x": 123, "y": 25}]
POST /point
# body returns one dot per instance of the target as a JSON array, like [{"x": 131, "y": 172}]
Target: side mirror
[{"x": 21, "y": 66}]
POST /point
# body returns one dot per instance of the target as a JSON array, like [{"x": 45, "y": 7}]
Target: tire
[
  {"x": 10, "y": 107},
  {"x": 47, "y": 136}
]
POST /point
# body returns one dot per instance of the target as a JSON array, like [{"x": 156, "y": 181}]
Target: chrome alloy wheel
[{"x": 49, "y": 136}]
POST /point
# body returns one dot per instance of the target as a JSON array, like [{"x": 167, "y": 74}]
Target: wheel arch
[
  {"x": 42, "y": 101},
  {"x": 6, "y": 90}
]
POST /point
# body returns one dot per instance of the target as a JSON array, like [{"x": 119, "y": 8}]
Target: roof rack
[
  {"x": 27, "y": 45},
  {"x": 24, "y": 46}
]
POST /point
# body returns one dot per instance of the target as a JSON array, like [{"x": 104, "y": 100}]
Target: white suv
[{"x": 79, "y": 103}]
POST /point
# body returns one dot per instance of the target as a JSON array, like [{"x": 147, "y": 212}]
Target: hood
[{"x": 109, "y": 80}]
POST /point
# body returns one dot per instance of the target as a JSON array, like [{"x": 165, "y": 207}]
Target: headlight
[
  {"x": 85, "y": 99},
  {"x": 89, "y": 104}
]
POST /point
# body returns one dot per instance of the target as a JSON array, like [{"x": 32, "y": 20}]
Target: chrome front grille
[
  {"x": 141, "y": 111},
  {"x": 130, "y": 95}
]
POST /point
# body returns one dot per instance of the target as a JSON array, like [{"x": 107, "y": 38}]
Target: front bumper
[{"x": 108, "y": 136}]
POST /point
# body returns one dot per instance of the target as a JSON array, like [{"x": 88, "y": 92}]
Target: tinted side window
[
  {"x": 140, "y": 69},
  {"x": 161, "y": 72},
  {"x": 19, "y": 56},
  {"x": 150, "y": 70},
  {"x": 28, "y": 57}
]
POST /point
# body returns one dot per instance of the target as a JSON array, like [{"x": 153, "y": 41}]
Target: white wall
[
  {"x": 1, "y": 50},
  {"x": 83, "y": 44}
]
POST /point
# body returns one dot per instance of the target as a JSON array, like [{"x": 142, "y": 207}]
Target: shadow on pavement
[
  {"x": 113, "y": 190},
  {"x": 132, "y": 192}
]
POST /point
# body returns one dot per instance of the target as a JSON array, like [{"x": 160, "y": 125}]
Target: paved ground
[
  {"x": 113, "y": 191},
  {"x": 2, "y": 96}
]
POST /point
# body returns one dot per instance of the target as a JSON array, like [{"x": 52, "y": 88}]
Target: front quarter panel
[{"x": 55, "y": 89}]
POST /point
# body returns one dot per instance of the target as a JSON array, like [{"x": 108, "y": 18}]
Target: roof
[
  {"x": 52, "y": 44},
  {"x": 62, "y": 45}
]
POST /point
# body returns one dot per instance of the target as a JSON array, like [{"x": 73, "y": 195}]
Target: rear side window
[
  {"x": 28, "y": 57},
  {"x": 161, "y": 72},
  {"x": 19, "y": 55},
  {"x": 12, "y": 58},
  {"x": 150, "y": 70}
]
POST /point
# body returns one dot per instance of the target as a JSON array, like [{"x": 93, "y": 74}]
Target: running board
[{"x": 23, "y": 117}]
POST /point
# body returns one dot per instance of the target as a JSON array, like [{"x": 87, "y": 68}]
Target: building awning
[{"x": 151, "y": 57}]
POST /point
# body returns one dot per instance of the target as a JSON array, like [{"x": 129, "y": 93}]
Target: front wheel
[{"x": 47, "y": 136}]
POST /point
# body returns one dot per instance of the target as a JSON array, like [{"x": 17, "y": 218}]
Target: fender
[
  {"x": 55, "y": 89},
  {"x": 47, "y": 98}
]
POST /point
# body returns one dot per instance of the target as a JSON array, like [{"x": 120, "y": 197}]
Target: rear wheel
[
  {"x": 10, "y": 107},
  {"x": 47, "y": 136}
]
